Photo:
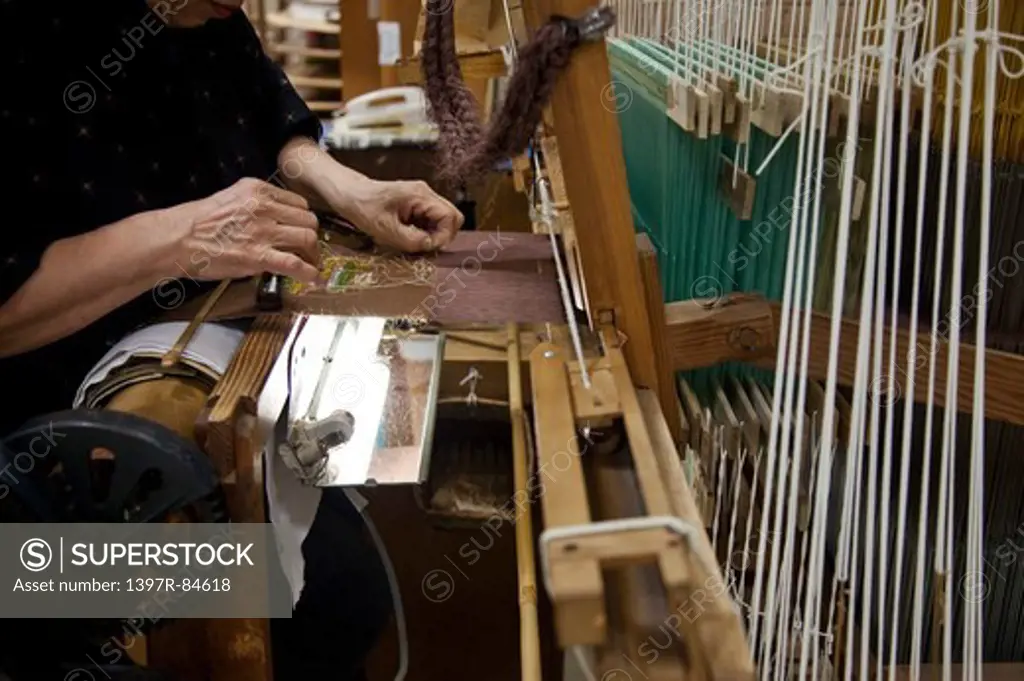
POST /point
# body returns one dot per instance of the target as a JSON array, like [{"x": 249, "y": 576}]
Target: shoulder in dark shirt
[{"x": 110, "y": 113}]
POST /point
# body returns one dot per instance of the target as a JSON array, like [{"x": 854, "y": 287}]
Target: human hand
[
  {"x": 247, "y": 229},
  {"x": 408, "y": 216}
]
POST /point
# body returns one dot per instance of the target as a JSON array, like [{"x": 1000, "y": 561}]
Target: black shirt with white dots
[{"x": 107, "y": 112}]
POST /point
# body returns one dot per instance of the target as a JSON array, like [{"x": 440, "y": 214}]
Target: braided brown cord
[
  {"x": 465, "y": 149},
  {"x": 451, "y": 103}
]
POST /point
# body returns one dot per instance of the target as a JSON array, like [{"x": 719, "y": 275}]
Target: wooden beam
[
  {"x": 1006, "y": 671},
  {"x": 476, "y": 66},
  {"x": 703, "y": 333},
  {"x": 304, "y": 51},
  {"x": 590, "y": 145},
  {"x": 235, "y": 649},
  {"x": 529, "y": 632},
  {"x": 1004, "y": 371},
  {"x": 285, "y": 21},
  {"x": 300, "y": 81},
  {"x": 745, "y": 329},
  {"x": 239, "y": 649}
]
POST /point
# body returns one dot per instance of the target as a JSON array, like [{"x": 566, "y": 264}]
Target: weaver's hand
[
  {"x": 408, "y": 216},
  {"x": 247, "y": 229}
]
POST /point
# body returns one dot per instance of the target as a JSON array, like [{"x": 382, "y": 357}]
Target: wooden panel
[
  {"x": 474, "y": 24},
  {"x": 405, "y": 13},
  {"x": 499, "y": 207},
  {"x": 478, "y": 66},
  {"x": 360, "y": 67}
]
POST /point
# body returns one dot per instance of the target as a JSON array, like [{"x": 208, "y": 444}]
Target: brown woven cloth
[
  {"x": 466, "y": 149},
  {"x": 480, "y": 278}
]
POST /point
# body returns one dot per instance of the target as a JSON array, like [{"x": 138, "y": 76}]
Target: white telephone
[{"x": 390, "y": 108}]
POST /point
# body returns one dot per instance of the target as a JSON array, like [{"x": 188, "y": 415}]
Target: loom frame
[{"x": 633, "y": 370}]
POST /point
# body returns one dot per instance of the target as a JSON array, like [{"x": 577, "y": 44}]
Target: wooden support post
[
  {"x": 595, "y": 180},
  {"x": 689, "y": 582},
  {"x": 239, "y": 649},
  {"x": 655, "y": 303}
]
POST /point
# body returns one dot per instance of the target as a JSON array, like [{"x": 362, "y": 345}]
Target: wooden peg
[
  {"x": 681, "y": 105},
  {"x": 738, "y": 189}
]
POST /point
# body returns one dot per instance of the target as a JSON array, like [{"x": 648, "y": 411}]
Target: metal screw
[{"x": 549, "y": 354}]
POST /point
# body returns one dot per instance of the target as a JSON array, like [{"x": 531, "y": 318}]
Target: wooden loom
[
  {"x": 599, "y": 579},
  {"x": 599, "y": 572}
]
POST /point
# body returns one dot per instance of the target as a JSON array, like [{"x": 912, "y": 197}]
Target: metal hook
[
  {"x": 473, "y": 376},
  {"x": 591, "y": 25}
]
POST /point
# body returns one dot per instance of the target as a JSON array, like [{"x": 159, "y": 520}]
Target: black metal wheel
[
  {"x": 107, "y": 467},
  {"x": 104, "y": 467}
]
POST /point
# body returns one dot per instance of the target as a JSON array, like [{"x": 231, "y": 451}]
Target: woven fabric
[
  {"x": 483, "y": 277},
  {"x": 480, "y": 278}
]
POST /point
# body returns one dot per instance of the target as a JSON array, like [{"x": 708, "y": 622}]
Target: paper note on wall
[{"x": 389, "y": 40}]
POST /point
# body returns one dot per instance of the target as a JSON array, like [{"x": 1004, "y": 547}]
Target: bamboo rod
[
  {"x": 174, "y": 354},
  {"x": 529, "y": 631}
]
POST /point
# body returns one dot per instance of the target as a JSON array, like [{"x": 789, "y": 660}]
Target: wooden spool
[
  {"x": 171, "y": 401},
  {"x": 174, "y": 393},
  {"x": 174, "y": 402}
]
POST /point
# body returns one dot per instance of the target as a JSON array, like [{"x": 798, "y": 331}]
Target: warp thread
[{"x": 465, "y": 149}]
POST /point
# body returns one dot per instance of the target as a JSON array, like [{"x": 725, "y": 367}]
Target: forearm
[
  {"x": 310, "y": 171},
  {"x": 81, "y": 279}
]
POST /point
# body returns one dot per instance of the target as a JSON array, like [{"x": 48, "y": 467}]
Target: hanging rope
[{"x": 466, "y": 149}]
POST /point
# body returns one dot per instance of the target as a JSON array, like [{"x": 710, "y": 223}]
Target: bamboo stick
[
  {"x": 529, "y": 631},
  {"x": 174, "y": 354}
]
